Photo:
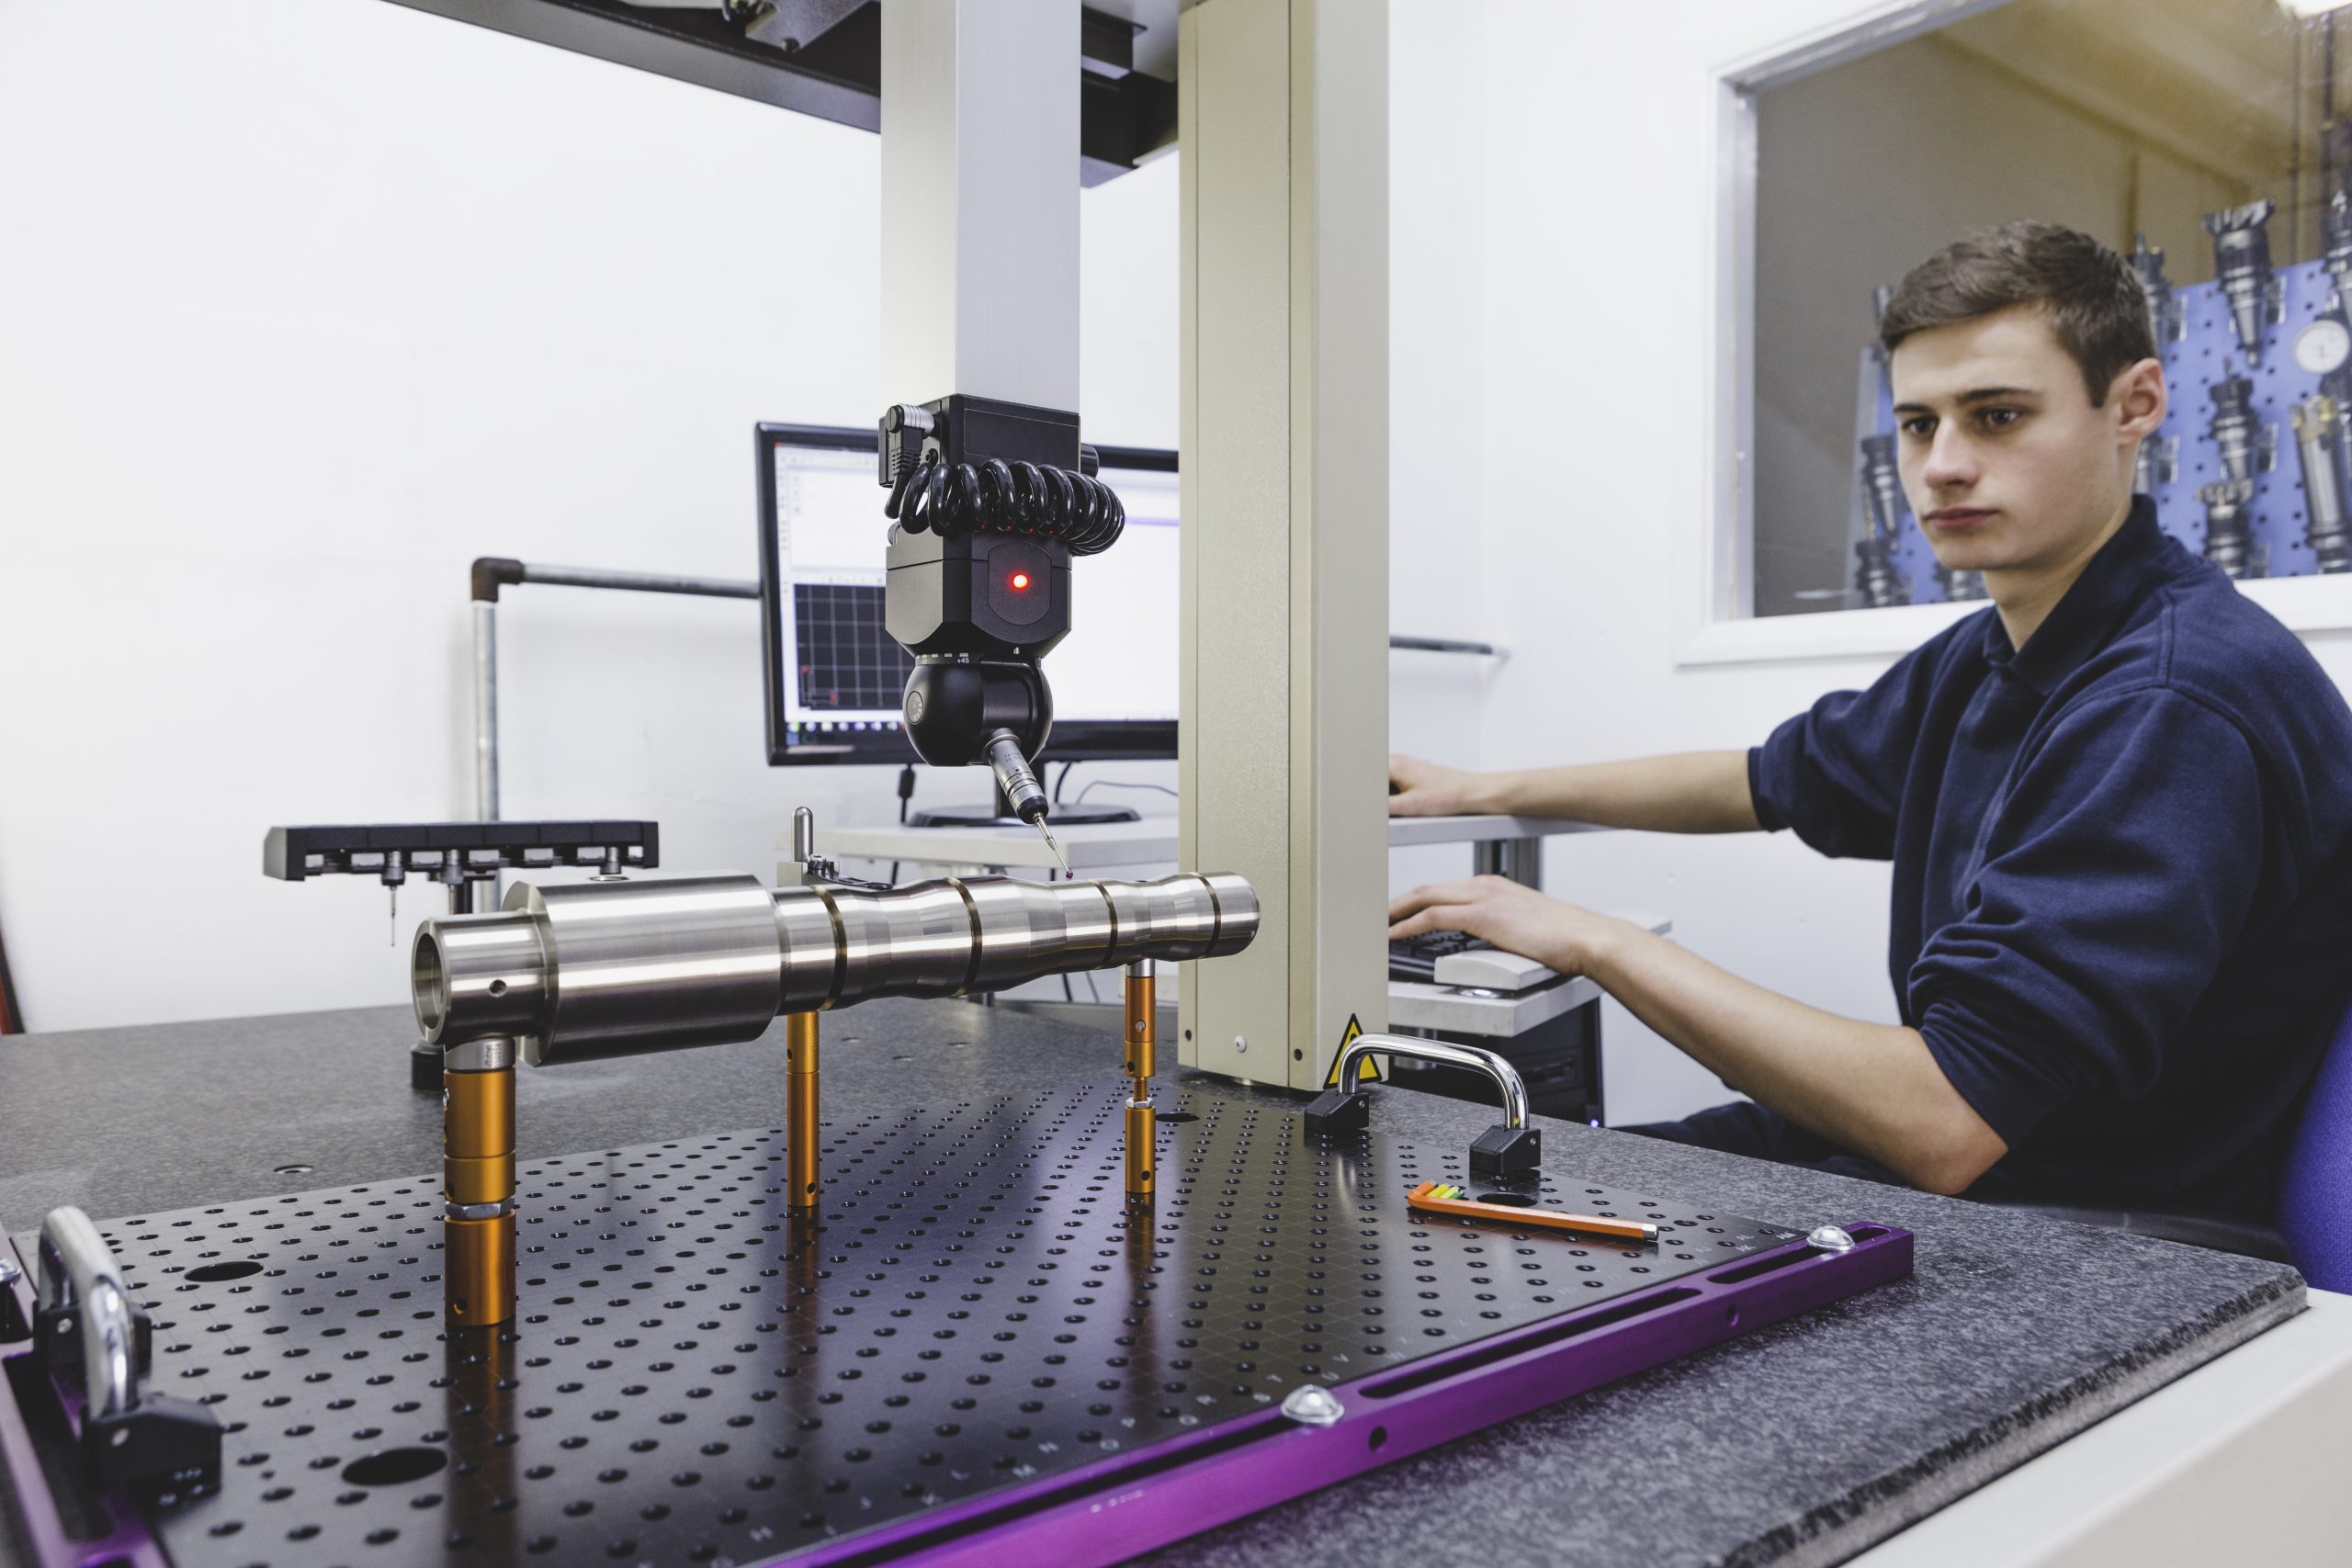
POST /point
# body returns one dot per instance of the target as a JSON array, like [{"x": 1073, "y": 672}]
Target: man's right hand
[{"x": 1423, "y": 789}]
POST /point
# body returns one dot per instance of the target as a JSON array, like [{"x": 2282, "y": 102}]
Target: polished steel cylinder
[{"x": 608, "y": 968}]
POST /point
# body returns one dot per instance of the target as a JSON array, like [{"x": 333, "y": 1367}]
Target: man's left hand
[{"x": 1510, "y": 916}]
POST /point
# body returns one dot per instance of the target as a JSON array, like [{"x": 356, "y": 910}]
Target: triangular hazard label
[{"x": 1366, "y": 1071}]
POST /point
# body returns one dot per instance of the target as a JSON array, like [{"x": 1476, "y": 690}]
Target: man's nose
[{"x": 1949, "y": 461}]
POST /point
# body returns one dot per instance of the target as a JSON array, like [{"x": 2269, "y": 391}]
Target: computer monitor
[{"x": 834, "y": 676}]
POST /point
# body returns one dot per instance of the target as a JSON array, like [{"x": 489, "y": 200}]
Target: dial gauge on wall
[{"x": 2324, "y": 345}]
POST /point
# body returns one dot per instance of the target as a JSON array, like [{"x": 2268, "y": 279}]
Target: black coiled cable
[{"x": 998, "y": 497}]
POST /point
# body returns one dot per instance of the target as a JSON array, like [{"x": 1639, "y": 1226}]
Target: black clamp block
[
  {"x": 424, "y": 1067},
  {"x": 1339, "y": 1111},
  {"x": 1506, "y": 1151},
  {"x": 161, "y": 1444},
  {"x": 16, "y": 1322}
]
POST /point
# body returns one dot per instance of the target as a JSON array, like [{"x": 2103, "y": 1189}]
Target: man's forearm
[
  {"x": 1873, "y": 1088},
  {"x": 1690, "y": 792}
]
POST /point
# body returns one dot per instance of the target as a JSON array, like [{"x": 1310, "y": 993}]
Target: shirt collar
[{"x": 2083, "y": 620}]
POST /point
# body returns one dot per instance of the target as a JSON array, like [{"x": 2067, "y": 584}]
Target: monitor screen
[{"x": 834, "y": 676}]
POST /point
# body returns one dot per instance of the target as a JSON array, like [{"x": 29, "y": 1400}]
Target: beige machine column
[{"x": 1282, "y": 122}]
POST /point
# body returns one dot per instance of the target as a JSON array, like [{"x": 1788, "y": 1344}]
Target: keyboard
[{"x": 1415, "y": 957}]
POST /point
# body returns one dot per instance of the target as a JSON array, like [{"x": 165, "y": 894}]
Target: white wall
[
  {"x": 282, "y": 349},
  {"x": 303, "y": 305},
  {"x": 1599, "y": 123}
]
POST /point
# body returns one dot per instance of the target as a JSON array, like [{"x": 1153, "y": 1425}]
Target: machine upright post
[
  {"x": 800, "y": 1109},
  {"x": 1141, "y": 1037},
  {"x": 1283, "y": 721},
  {"x": 478, "y": 1182}
]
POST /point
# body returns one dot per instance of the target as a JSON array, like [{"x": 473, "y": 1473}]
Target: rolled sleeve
[
  {"x": 2118, "y": 874},
  {"x": 1835, "y": 773}
]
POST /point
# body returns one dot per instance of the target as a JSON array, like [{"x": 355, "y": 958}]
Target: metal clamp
[
  {"x": 152, "y": 1440},
  {"x": 82, "y": 1293},
  {"x": 1511, "y": 1148}
]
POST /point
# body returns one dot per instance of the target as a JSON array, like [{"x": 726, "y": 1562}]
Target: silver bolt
[
  {"x": 1830, "y": 1239},
  {"x": 1311, "y": 1406},
  {"x": 1240, "y": 1044}
]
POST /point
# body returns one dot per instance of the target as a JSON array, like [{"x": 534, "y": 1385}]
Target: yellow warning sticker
[{"x": 1368, "y": 1070}]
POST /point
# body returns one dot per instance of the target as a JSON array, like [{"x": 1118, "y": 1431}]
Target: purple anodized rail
[{"x": 1110, "y": 1511}]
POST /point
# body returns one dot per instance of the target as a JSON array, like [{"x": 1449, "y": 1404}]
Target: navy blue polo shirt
[{"x": 2122, "y": 855}]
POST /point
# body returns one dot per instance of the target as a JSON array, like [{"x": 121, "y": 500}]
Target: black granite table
[{"x": 1802, "y": 1443}]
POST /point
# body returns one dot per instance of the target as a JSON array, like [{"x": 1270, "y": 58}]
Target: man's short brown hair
[{"x": 2090, "y": 296}]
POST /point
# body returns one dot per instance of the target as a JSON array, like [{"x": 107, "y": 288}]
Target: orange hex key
[{"x": 1422, "y": 1197}]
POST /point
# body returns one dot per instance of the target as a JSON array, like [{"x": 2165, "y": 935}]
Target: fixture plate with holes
[{"x": 972, "y": 1352}]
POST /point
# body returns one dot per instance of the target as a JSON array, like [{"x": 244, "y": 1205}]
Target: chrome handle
[
  {"x": 1505, "y": 1077},
  {"x": 78, "y": 1275}
]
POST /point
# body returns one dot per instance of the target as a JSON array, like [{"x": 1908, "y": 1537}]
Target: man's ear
[{"x": 2138, "y": 399}]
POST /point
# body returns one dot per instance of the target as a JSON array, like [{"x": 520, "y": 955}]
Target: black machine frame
[{"x": 1073, "y": 740}]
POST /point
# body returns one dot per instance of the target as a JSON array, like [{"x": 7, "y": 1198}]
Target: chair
[
  {"x": 2314, "y": 1224},
  {"x": 2315, "y": 1196}
]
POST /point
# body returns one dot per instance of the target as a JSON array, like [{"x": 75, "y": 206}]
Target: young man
[{"x": 2118, "y": 805}]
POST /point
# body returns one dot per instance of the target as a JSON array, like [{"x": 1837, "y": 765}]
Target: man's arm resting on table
[
  {"x": 1873, "y": 1088},
  {"x": 1690, "y": 792}
]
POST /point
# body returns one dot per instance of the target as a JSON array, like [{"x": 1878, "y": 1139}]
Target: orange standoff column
[
  {"x": 800, "y": 1109},
  {"x": 478, "y": 1182},
  {"x": 1141, "y": 1044}
]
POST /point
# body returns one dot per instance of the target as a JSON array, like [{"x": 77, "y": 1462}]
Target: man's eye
[
  {"x": 1918, "y": 424},
  {"x": 2001, "y": 419}
]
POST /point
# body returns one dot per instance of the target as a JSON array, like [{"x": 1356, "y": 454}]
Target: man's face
[{"x": 2006, "y": 463}]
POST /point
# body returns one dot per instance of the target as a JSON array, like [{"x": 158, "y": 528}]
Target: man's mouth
[{"x": 1959, "y": 517}]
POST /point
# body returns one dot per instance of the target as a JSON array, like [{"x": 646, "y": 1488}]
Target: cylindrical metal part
[
  {"x": 626, "y": 966},
  {"x": 2229, "y": 540},
  {"x": 2233, "y": 427},
  {"x": 1014, "y": 776},
  {"x": 642, "y": 581},
  {"x": 477, "y": 1136},
  {"x": 478, "y": 1189},
  {"x": 1141, "y": 1131},
  {"x": 2327, "y": 528},
  {"x": 485, "y": 710},
  {"x": 800, "y": 1109},
  {"x": 2241, "y": 267},
  {"x": 491, "y": 971},
  {"x": 599, "y": 969},
  {"x": 1142, "y": 1026},
  {"x": 477, "y": 1270}
]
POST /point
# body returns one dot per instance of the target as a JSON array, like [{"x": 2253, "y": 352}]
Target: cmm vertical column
[
  {"x": 980, "y": 201},
  {"x": 1282, "y": 121}
]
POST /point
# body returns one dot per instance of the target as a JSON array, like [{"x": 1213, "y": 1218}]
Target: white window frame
[{"x": 1717, "y": 587}]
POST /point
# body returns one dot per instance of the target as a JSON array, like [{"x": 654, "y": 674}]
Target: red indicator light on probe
[{"x": 1019, "y": 580}]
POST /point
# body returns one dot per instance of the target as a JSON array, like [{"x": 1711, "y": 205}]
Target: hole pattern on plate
[{"x": 696, "y": 1376}]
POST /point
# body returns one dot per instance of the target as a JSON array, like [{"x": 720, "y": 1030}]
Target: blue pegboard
[{"x": 2203, "y": 352}]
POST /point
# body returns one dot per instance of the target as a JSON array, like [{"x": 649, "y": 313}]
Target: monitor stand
[{"x": 1001, "y": 816}]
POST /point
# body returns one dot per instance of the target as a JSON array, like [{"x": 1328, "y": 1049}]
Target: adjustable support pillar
[{"x": 478, "y": 1182}]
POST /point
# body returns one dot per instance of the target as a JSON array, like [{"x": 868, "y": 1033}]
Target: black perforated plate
[{"x": 697, "y": 1378}]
